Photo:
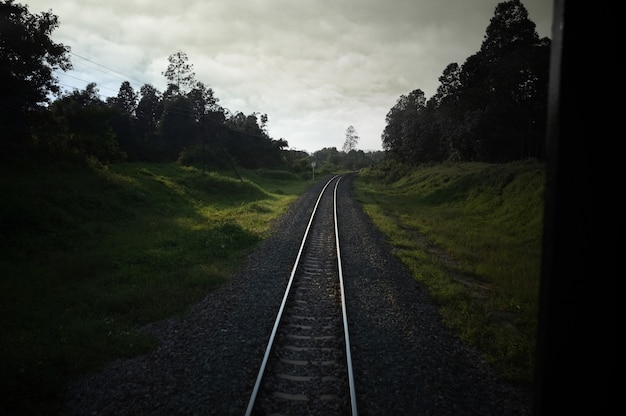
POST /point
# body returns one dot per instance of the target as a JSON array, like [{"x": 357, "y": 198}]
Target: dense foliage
[
  {"x": 28, "y": 58},
  {"x": 491, "y": 109}
]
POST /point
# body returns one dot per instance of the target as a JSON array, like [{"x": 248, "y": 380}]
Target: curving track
[{"x": 307, "y": 365}]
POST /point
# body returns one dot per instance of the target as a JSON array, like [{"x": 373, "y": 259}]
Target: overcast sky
[{"x": 314, "y": 67}]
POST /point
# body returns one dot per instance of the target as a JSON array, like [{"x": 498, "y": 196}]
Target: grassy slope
[
  {"x": 472, "y": 233},
  {"x": 88, "y": 255}
]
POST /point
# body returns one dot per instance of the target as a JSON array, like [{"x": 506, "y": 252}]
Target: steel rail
[
  {"x": 270, "y": 343},
  {"x": 343, "y": 308}
]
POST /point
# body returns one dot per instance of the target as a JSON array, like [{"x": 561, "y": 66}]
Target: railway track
[{"x": 307, "y": 369}]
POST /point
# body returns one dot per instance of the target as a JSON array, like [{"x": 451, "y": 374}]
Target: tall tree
[
  {"x": 504, "y": 85},
  {"x": 179, "y": 73},
  {"x": 209, "y": 118},
  {"x": 449, "y": 84},
  {"x": 509, "y": 28},
  {"x": 430, "y": 145},
  {"x": 203, "y": 100},
  {"x": 401, "y": 134},
  {"x": 126, "y": 99},
  {"x": 149, "y": 110},
  {"x": 349, "y": 147},
  {"x": 452, "y": 118},
  {"x": 124, "y": 107},
  {"x": 351, "y": 141},
  {"x": 29, "y": 57}
]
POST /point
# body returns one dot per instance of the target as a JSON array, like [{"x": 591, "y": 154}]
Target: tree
[
  {"x": 508, "y": 28},
  {"x": 126, "y": 100},
  {"x": 264, "y": 120},
  {"x": 28, "y": 57},
  {"x": 149, "y": 110},
  {"x": 504, "y": 87},
  {"x": 449, "y": 85},
  {"x": 248, "y": 124},
  {"x": 84, "y": 126},
  {"x": 203, "y": 100},
  {"x": 328, "y": 157},
  {"x": 351, "y": 140},
  {"x": 123, "y": 118},
  {"x": 401, "y": 135},
  {"x": 210, "y": 118},
  {"x": 179, "y": 73},
  {"x": 349, "y": 146},
  {"x": 493, "y": 108},
  {"x": 178, "y": 127}
]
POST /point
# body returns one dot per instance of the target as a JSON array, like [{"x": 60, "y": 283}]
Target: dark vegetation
[
  {"x": 89, "y": 254},
  {"x": 137, "y": 198},
  {"x": 185, "y": 123},
  {"x": 491, "y": 109}
]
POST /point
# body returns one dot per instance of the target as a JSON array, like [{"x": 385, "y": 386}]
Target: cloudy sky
[{"x": 314, "y": 67}]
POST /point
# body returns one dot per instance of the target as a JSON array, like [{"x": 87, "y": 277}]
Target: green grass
[
  {"x": 88, "y": 255},
  {"x": 472, "y": 233}
]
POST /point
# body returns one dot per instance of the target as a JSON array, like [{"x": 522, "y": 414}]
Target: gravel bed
[{"x": 405, "y": 362}]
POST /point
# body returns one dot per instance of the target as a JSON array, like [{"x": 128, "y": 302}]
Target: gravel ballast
[{"x": 405, "y": 362}]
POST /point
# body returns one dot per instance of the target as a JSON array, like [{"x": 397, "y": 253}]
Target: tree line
[
  {"x": 493, "y": 108},
  {"x": 183, "y": 123}
]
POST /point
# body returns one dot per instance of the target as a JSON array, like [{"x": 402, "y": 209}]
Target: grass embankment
[
  {"x": 88, "y": 255},
  {"x": 472, "y": 234}
]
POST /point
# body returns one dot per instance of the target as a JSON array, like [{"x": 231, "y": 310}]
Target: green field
[{"x": 472, "y": 233}]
